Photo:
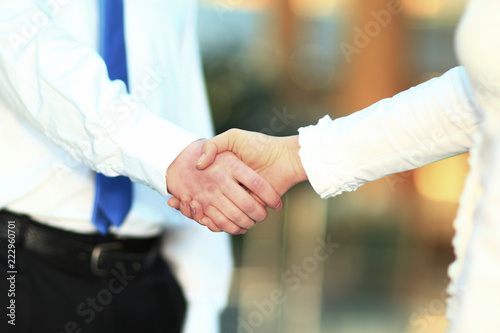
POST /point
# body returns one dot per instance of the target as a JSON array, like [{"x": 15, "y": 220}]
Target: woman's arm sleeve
[{"x": 426, "y": 123}]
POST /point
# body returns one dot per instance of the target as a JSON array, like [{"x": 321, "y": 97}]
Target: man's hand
[
  {"x": 274, "y": 158},
  {"x": 218, "y": 189}
]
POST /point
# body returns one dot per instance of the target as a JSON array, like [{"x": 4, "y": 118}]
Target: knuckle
[
  {"x": 228, "y": 227},
  {"x": 221, "y": 224},
  {"x": 237, "y": 217},
  {"x": 219, "y": 176},
  {"x": 258, "y": 183},
  {"x": 249, "y": 206},
  {"x": 210, "y": 188},
  {"x": 231, "y": 131},
  {"x": 247, "y": 223}
]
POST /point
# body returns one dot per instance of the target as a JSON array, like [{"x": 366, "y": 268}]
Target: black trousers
[{"x": 44, "y": 298}]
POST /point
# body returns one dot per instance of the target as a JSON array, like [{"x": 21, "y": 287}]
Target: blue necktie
[{"x": 113, "y": 196}]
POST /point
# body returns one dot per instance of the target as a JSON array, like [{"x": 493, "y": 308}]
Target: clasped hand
[
  {"x": 266, "y": 167},
  {"x": 232, "y": 194}
]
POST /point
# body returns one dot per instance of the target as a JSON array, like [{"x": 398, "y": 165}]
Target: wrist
[
  {"x": 185, "y": 160},
  {"x": 298, "y": 172}
]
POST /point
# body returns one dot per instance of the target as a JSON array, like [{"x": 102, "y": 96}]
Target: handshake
[{"x": 226, "y": 183}]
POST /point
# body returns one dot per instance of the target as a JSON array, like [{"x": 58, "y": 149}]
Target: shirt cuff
[{"x": 321, "y": 160}]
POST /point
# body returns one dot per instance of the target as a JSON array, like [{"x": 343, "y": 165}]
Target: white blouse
[{"x": 445, "y": 116}]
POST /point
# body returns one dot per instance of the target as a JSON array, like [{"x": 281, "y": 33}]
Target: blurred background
[{"x": 374, "y": 260}]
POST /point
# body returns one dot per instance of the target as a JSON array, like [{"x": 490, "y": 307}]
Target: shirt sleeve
[
  {"x": 61, "y": 87},
  {"x": 424, "y": 124}
]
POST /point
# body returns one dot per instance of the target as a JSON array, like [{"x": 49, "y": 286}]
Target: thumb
[{"x": 212, "y": 147}]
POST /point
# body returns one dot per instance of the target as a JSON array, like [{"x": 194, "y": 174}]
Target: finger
[
  {"x": 262, "y": 203},
  {"x": 184, "y": 206},
  {"x": 212, "y": 147},
  {"x": 259, "y": 186},
  {"x": 221, "y": 221},
  {"x": 196, "y": 210},
  {"x": 232, "y": 213},
  {"x": 245, "y": 203},
  {"x": 207, "y": 221},
  {"x": 244, "y": 209},
  {"x": 174, "y": 203}
]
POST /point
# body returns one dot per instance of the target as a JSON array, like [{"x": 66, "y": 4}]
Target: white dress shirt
[
  {"x": 449, "y": 115},
  {"x": 62, "y": 118}
]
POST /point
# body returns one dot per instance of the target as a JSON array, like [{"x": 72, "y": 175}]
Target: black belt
[{"x": 93, "y": 254}]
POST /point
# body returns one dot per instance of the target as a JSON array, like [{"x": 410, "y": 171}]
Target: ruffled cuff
[{"x": 322, "y": 160}]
